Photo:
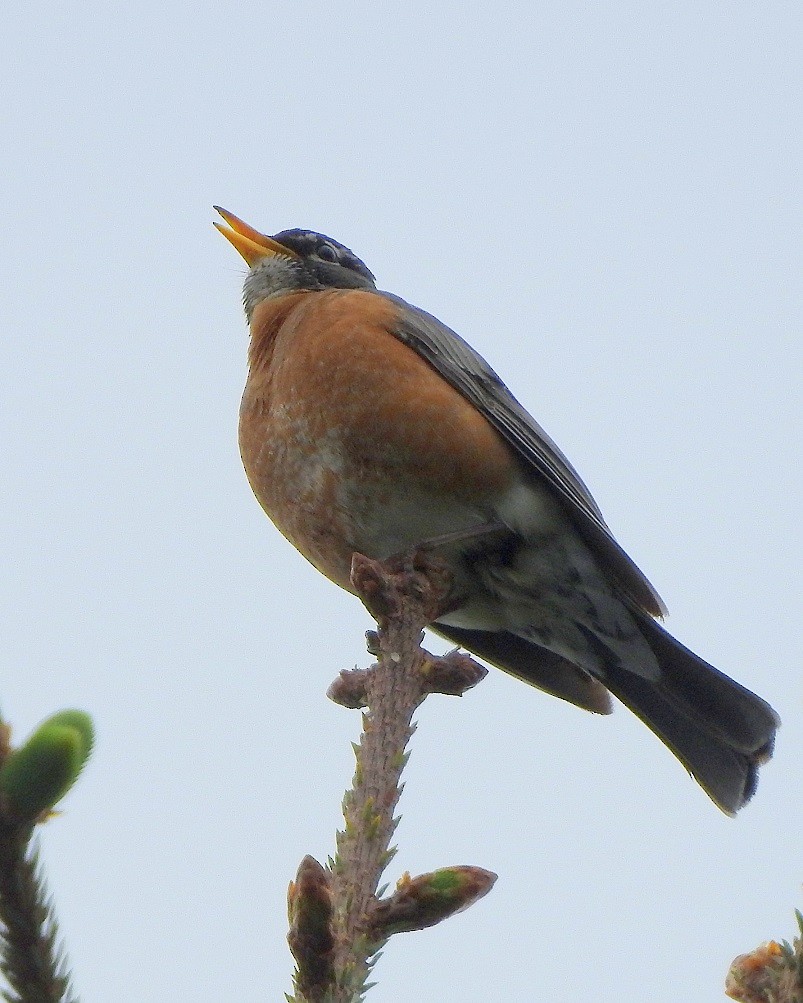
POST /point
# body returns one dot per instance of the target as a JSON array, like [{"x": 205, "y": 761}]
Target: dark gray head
[{"x": 292, "y": 260}]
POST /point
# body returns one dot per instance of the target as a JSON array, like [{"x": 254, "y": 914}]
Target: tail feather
[
  {"x": 728, "y": 775},
  {"x": 718, "y": 729},
  {"x": 718, "y": 703}
]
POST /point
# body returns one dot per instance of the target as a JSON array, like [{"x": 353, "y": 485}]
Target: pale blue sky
[{"x": 605, "y": 200}]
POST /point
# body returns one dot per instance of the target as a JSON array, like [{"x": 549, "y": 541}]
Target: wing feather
[{"x": 464, "y": 369}]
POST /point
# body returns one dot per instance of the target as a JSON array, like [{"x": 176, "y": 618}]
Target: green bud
[
  {"x": 429, "y": 898},
  {"x": 37, "y": 775}
]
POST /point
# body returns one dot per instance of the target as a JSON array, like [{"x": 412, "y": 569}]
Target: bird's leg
[
  {"x": 423, "y": 558},
  {"x": 459, "y": 535},
  {"x": 421, "y": 553}
]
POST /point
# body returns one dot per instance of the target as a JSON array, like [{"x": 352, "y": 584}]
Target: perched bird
[{"x": 369, "y": 426}]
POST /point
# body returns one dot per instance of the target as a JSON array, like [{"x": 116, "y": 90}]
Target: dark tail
[{"x": 718, "y": 729}]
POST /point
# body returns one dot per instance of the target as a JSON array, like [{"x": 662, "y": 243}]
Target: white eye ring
[{"x": 327, "y": 253}]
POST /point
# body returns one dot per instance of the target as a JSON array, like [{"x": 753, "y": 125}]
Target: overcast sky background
[{"x": 605, "y": 200}]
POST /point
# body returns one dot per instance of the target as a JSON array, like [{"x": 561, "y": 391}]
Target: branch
[
  {"x": 338, "y": 922},
  {"x": 773, "y": 973},
  {"x": 32, "y": 779},
  {"x": 33, "y": 963}
]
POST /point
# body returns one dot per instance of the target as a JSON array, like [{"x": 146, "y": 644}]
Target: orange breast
[{"x": 351, "y": 441}]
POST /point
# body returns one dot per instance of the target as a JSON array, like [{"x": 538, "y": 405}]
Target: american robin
[{"x": 369, "y": 426}]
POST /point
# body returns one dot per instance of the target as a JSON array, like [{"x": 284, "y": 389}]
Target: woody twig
[{"x": 339, "y": 920}]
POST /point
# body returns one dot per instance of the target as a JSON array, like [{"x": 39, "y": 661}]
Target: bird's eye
[{"x": 327, "y": 253}]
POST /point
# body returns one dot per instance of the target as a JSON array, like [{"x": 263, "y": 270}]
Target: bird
[{"x": 369, "y": 426}]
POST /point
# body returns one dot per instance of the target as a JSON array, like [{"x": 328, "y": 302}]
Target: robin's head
[{"x": 292, "y": 260}]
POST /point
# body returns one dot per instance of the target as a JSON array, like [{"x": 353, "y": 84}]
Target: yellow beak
[{"x": 251, "y": 244}]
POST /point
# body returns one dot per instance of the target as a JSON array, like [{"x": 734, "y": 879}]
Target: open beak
[{"x": 251, "y": 244}]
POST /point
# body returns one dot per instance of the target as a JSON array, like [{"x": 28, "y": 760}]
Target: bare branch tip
[
  {"x": 349, "y": 689},
  {"x": 452, "y": 674},
  {"x": 311, "y": 940}
]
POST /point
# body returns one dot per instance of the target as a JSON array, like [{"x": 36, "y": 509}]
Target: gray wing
[{"x": 466, "y": 370}]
